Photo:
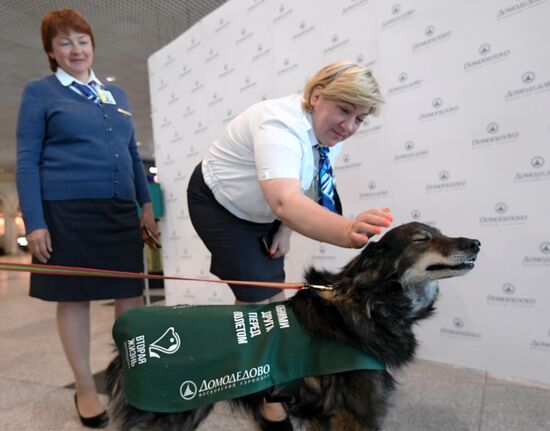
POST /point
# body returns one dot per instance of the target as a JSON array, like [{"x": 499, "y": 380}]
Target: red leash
[{"x": 90, "y": 272}]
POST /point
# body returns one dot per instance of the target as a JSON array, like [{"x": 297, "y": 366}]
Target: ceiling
[{"x": 126, "y": 33}]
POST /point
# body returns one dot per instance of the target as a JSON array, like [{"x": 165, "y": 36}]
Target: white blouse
[{"x": 270, "y": 139}]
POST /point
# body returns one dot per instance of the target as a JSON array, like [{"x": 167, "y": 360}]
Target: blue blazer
[{"x": 68, "y": 147}]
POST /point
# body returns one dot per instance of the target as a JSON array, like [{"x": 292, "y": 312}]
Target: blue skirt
[
  {"x": 235, "y": 244},
  {"x": 91, "y": 233}
]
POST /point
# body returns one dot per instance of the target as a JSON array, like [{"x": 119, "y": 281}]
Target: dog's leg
[{"x": 362, "y": 400}]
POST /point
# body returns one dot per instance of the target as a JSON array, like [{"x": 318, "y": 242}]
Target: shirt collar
[
  {"x": 308, "y": 121},
  {"x": 66, "y": 79}
]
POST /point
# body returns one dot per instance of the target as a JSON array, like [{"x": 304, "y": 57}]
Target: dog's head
[
  {"x": 411, "y": 257},
  {"x": 414, "y": 253}
]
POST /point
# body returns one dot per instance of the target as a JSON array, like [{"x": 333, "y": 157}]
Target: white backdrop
[{"x": 462, "y": 144}]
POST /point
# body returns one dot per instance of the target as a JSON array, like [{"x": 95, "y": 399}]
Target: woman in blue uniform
[{"x": 79, "y": 176}]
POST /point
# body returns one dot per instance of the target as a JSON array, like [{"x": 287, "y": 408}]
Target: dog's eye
[{"x": 420, "y": 238}]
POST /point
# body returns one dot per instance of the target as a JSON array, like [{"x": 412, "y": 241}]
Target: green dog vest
[{"x": 183, "y": 357}]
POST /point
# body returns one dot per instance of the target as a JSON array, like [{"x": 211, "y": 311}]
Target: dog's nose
[{"x": 474, "y": 245}]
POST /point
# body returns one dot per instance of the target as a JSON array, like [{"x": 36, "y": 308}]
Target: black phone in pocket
[
  {"x": 265, "y": 243},
  {"x": 266, "y": 240}
]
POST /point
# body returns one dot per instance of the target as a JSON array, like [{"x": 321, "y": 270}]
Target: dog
[{"x": 373, "y": 304}]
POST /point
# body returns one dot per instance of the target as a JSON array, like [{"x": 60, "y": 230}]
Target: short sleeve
[{"x": 277, "y": 151}]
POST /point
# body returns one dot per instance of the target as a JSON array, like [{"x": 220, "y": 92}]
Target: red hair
[{"x": 62, "y": 20}]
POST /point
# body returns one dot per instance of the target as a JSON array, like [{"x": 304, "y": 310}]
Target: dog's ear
[
  {"x": 375, "y": 263},
  {"x": 387, "y": 301},
  {"x": 320, "y": 277}
]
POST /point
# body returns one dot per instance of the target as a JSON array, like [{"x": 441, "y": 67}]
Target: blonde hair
[{"x": 345, "y": 81}]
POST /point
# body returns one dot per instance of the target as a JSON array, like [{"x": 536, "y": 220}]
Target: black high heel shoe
[{"x": 99, "y": 421}]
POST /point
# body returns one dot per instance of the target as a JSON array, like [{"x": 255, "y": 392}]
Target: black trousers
[{"x": 235, "y": 244}]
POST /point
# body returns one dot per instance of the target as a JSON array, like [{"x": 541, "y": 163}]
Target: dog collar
[{"x": 318, "y": 287}]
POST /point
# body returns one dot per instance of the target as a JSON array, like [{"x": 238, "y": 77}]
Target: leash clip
[{"x": 317, "y": 287}]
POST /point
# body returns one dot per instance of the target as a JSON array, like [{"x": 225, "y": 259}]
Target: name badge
[{"x": 107, "y": 97}]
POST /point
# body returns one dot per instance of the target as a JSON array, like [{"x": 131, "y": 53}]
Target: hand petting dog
[{"x": 367, "y": 224}]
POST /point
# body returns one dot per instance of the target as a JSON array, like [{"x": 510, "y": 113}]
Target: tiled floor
[{"x": 35, "y": 380}]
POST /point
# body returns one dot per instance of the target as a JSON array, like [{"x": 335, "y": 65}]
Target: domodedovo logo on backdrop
[
  {"x": 347, "y": 163},
  {"x": 215, "y": 99},
  {"x": 182, "y": 214},
  {"x": 168, "y": 160},
  {"x": 361, "y": 59},
  {"x": 373, "y": 192},
  {"x": 404, "y": 84},
  {"x": 537, "y": 173},
  {"x": 369, "y": 126},
  {"x": 185, "y": 70},
  {"x": 227, "y": 69},
  {"x": 286, "y": 66},
  {"x": 253, "y": 4},
  {"x": 541, "y": 259},
  {"x": 222, "y": 24},
  {"x": 171, "y": 197},
  {"x": 322, "y": 254},
  {"x": 185, "y": 254},
  {"x": 433, "y": 38},
  {"x": 194, "y": 43},
  {"x": 283, "y": 11},
  {"x": 173, "y": 98},
  {"x": 261, "y": 52},
  {"x": 189, "y": 110},
  {"x": 486, "y": 58},
  {"x": 493, "y": 137},
  {"x": 542, "y": 344},
  {"x": 169, "y": 60},
  {"x": 212, "y": 55},
  {"x": 303, "y": 28},
  {"x": 336, "y": 42},
  {"x": 248, "y": 83},
  {"x": 502, "y": 217},
  {"x": 398, "y": 15},
  {"x": 411, "y": 153},
  {"x": 176, "y": 138},
  {"x": 243, "y": 35},
  {"x": 440, "y": 111},
  {"x": 353, "y": 5},
  {"x": 459, "y": 330},
  {"x": 446, "y": 184},
  {"x": 508, "y": 296},
  {"x": 162, "y": 84},
  {"x": 530, "y": 88},
  {"x": 200, "y": 127},
  {"x": 517, "y": 7}
]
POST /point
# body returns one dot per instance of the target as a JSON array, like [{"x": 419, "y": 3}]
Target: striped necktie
[
  {"x": 326, "y": 190},
  {"x": 87, "y": 90}
]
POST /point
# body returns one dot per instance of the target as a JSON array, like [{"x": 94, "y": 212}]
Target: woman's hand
[
  {"x": 367, "y": 224},
  {"x": 280, "y": 244},
  {"x": 40, "y": 244},
  {"x": 148, "y": 224}
]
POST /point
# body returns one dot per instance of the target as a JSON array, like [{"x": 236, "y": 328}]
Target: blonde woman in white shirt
[{"x": 259, "y": 182}]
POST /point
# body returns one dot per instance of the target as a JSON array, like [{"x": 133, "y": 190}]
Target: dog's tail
[{"x": 118, "y": 405}]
